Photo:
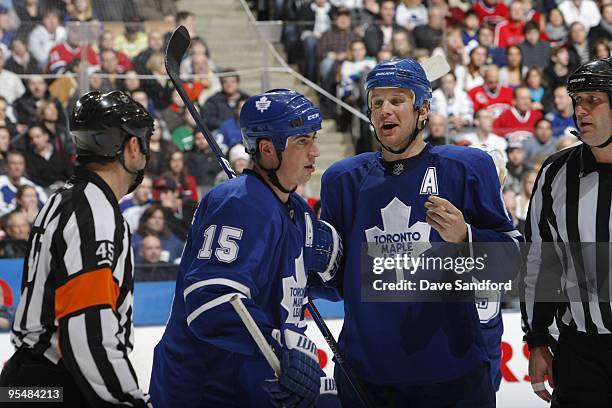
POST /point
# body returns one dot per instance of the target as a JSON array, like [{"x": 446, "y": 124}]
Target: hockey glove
[
  {"x": 300, "y": 381},
  {"x": 327, "y": 246}
]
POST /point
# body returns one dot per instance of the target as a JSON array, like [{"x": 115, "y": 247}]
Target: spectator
[
  {"x": 133, "y": 40},
  {"x": 493, "y": 96},
  {"x": 30, "y": 14},
  {"x": 496, "y": 55},
  {"x": 133, "y": 205},
  {"x": 355, "y": 67},
  {"x": 565, "y": 141},
  {"x": 27, "y": 203},
  {"x": 317, "y": 14},
  {"x": 202, "y": 163},
  {"x": 558, "y": 71},
  {"x": 80, "y": 10},
  {"x": 5, "y": 121},
  {"x": 602, "y": 31},
  {"x": 17, "y": 233},
  {"x": 174, "y": 115},
  {"x": 542, "y": 144},
  {"x": 583, "y": 11},
  {"x": 600, "y": 49},
  {"x": 516, "y": 166},
  {"x": 21, "y": 62},
  {"x": 185, "y": 182},
  {"x": 160, "y": 151},
  {"x": 138, "y": 94},
  {"x": 45, "y": 36},
  {"x": 332, "y": 46},
  {"x": 533, "y": 81},
  {"x": 470, "y": 76},
  {"x": 239, "y": 160},
  {"x": 453, "y": 48},
  {"x": 178, "y": 213},
  {"x": 518, "y": 121},
  {"x": 107, "y": 42},
  {"x": 26, "y": 107},
  {"x": 452, "y": 103},
  {"x": 59, "y": 135},
  {"x": 46, "y": 165},
  {"x": 483, "y": 135},
  {"x": 437, "y": 127},
  {"x": 187, "y": 19},
  {"x": 491, "y": 12},
  {"x": 556, "y": 30},
  {"x": 522, "y": 199},
  {"x": 160, "y": 88},
  {"x": 411, "y": 13},
  {"x": 9, "y": 183},
  {"x": 533, "y": 14},
  {"x": 401, "y": 46},
  {"x": 155, "y": 9},
  {"x": 510, "y": 32},
  {"x": 562, "y": 117},
  {"x": 205, "y": 82},
  {"x": 513, "y": 73},
  {"x": 578, "y": 45},
  {"x": 229, "y": 131},
  {"x": 197, "y": 47},
  {"x": 150, "y": 250},
  {"x": 429, "y": 36},
  {"x": 131, "y": 83},
  {"x": 11, "y": 86},
  {"x": 221, "y": 105},
  {"x": 536, "y": 53},
  {"x": 7, "y": 27},
  {"x": 69, "y": 49},
  {"x": 182, "y": 136},
  {"x": 109, "y": 66},
  {"x": 471, "y": 24},
  {"x": 153, "y": 222},
  {"x": 5, "y": 144},
  {"x": 155, "y": 43}
]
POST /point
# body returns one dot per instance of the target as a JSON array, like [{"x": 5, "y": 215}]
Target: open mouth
[
  {"x": 310, "y": 167},
  {"x": 388, "y": 126}
]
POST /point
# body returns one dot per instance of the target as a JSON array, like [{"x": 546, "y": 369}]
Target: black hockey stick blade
[{"x": 175, "y": 51}]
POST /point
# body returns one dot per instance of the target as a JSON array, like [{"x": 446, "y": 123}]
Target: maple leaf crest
[
  {"x": 294, "y": 291},
  {"x": 262, "y": 104}
]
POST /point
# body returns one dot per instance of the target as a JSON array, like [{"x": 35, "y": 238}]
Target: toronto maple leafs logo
[
  {"x": 398, "y": 237},
  {"x": 262, "y": 104},
  {"x": 294, "y": 291}
]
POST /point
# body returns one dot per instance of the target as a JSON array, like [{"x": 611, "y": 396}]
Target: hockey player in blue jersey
[
  {"x": 251, "y": 236},
  {"x": 413, "y": 354}
]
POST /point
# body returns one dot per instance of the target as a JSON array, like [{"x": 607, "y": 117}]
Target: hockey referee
[
  {"x": 73, "y": 326},
  {"x": 570, "y": 206}
]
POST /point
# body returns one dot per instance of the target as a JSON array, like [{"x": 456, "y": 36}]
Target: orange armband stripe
[{"x": 94, "y": 288}]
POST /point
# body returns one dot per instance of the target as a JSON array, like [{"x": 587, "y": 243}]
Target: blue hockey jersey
[
  {"x": 364, "y": 198},
  {"x": 243, "y": 240}
]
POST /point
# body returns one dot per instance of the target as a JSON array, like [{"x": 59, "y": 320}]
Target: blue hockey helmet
[
  {"x": 277, "y": 114},
  {"x": 400, "y": 73}
]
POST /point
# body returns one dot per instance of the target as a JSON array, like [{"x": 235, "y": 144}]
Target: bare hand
[
  {"x": 445, "y": 218},
  {"x": 540, "y": 365}
]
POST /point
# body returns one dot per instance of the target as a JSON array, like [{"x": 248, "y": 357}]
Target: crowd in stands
[
  {"x": 507, "y": 89},
  {"x": 44, "y": 45},
  {"x": 510, "y": 60}
]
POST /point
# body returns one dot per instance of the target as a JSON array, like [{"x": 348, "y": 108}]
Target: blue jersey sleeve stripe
[
  {"x": 209, "y": 305},
  {"x": 218, "y": 281}
]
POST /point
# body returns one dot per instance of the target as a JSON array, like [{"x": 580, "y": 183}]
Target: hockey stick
[
  {"x": 257, "y": 335},
  {"x": 175, "y": 51}
]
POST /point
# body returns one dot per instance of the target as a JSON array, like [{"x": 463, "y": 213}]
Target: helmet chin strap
[
  {"x": 413, "y": 135},
  {"x": 138, "y": 175},
  {"x": 273, "y": 177}
]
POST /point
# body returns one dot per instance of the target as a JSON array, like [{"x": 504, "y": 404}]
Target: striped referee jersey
[
  {"x": 77, "y": 290},
  {"x": 570, "y": 206}
]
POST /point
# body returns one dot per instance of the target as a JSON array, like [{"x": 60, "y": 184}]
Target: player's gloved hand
[
  {"x": 299, "y": 384},
  {"x": 327, "y": 246}
]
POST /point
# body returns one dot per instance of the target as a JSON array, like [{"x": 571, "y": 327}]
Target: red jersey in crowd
[
  {"x": 62, "y": 54},
  {"x": 494, "y": 102},
  {"x": 491, "y": 14},
  {"x": 512, "y": 125},
  {"x": 509, "y": 33}
]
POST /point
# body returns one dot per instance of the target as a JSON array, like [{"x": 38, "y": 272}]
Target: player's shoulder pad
[
  {"x": 350, "y": 164},
  {"x": 462, "y": 155}
]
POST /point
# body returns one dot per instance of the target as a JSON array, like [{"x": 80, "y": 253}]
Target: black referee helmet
[
  {"x": 592, "y": 76},
  {"x": 101, "y": 124}
]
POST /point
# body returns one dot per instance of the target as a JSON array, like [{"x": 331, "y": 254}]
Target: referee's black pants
[
  {"x": 582, "y": 370},
  {"x": 25, "y": 369}
]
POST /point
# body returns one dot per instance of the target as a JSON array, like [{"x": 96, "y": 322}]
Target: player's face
[
  {"x": 393, "y": 115},
  {"x": 594, "y": 117},
  {"x": 298, "y": 160}
]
